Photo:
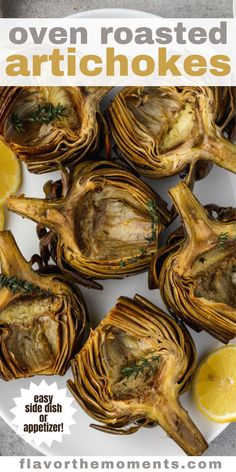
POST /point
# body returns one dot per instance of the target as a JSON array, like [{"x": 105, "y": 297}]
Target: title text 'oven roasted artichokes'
[
  {"x": 107, "y": 225},
  {"x": 131, "y": 371},
  {"x": 196, "y": 272},
  {"x": 45, "y": 125},
  {"x": 163, "y": 130},
  {"x": 42, "y": 317}
]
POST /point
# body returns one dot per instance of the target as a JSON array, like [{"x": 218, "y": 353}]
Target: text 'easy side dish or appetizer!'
[{"x": 42, "y": 317}]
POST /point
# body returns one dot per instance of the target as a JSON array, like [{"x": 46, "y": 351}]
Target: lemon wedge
[
  {"x": 10, "y": 172},
  {"x": 1, "y": 219},
  {"x": 214, "y": 385}
]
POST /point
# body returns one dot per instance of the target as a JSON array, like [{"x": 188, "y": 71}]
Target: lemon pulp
[
  {"x": 214, "y": 385},
  {"x": 10, "y": 172}
]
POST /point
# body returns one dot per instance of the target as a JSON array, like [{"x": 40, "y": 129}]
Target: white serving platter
[{"x": 220, "y": 188}]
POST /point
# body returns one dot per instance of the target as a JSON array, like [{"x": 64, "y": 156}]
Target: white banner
[
  {"x": 128, "y": 463},
  {"x": 79, "y": 51}
]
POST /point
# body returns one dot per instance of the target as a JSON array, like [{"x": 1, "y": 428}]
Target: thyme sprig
[
  {"x": 150, "y": 238},
  {"x": 17, "y": 285},
  {"x": 221, "y": 242},
  {"x": 138, "y": 367},
  {"x": 122, "y": 263},
  {"x": 151, "y": 205},
  {"x": 45, "y": 114},
  {"x": 223, "y": 238},
  {"x": 17, "y": 123}
]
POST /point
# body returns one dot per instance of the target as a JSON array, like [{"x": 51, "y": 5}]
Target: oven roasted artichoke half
[
  {"x": 131, "y": 371},
  {"x": 196, "y": 271},
  {"x": 42, "y": 317},
  {"x": 47, "y": 125},
  {"x": 163, "y": 131},
  {"x": 107, "y": 225}
]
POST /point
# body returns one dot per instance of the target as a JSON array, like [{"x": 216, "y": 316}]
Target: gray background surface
[{"x": 10, "y": 443}]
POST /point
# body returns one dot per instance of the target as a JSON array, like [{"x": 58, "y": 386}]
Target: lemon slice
[
  {"x": 214, "y": 385},
  {"x": 10, "y": 173},
  {"x": 1, "y": 219}
]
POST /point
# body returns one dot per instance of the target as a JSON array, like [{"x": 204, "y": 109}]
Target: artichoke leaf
[
  {"x": 131, "y": 371},
  {"x": 42, "y": 317},
  {"x": 196, "y": 269},
  {"x": 107, "y": 226},
  {"x": 45, "y": 126},
  {"x": 163, "y": 131}
]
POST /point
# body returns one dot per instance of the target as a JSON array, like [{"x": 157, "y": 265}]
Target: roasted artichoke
[
  {"x": 196, "y": 271},
  {"x": 42, "y": 317},
  {"x": 107, "y": 225},
  {"x": 131, "y": 371},
  {"x": 163, "y": 131},
  {"x": 47, "y": 125}
]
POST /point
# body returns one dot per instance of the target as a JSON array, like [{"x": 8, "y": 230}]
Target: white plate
[
  {"x": 219, "y": 187},
  {"x": 113, "y": 13}
]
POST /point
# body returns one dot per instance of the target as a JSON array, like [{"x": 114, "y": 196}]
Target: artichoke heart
[
  {"x": 131, "y": 370},
  {"x": 163, "y": 131},
  {"x": 196, "y": 271},
  {"x": 45, "y": 126},
  {"x": 107, "y": 225},
  {"x": 42, "y": 317}
]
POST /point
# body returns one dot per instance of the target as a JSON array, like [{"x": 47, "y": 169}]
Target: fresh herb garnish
[
  {"x": 17, "y": 285},
  {"x": 122, "y": 263},
  {"x": 150, "y": 238},
  {"x": 151, "y": 205},
  {"x": 222, "y": 238},
  {"x": 17, "y": 123},
  {"x": 45, "y": 114},
  {"x": 138, "y": 367}
]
